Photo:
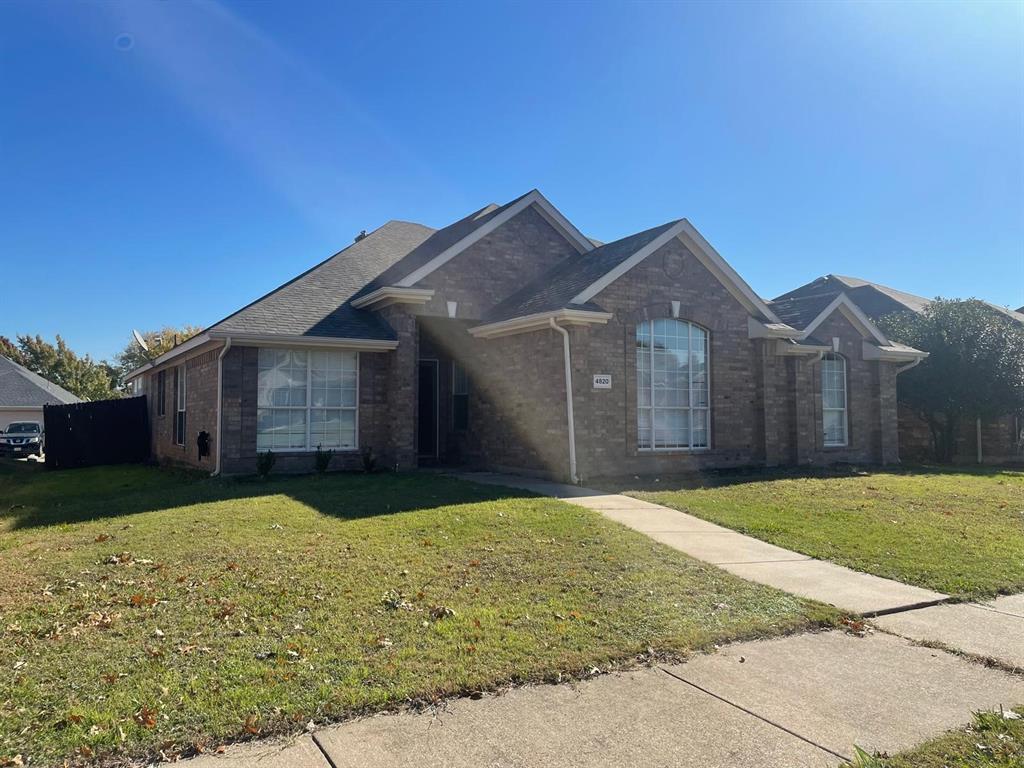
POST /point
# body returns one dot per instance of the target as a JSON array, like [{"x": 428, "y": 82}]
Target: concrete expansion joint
[{"x": 762, "y": 718}]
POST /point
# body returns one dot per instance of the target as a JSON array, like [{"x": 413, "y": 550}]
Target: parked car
[{"x": 22, "y": 438}]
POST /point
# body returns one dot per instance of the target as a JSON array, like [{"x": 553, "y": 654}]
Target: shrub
[
  {"x": 322, "y": 459},
  {"x": 265, "y": 463},
  {"x": 369, "y": 460}
]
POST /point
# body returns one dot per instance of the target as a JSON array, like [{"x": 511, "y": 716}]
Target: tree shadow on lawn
[
  {"x": 718, "y": 478},
  {"x": 36, "y": 497}
]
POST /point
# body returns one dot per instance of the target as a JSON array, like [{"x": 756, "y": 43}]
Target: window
[
  {"x": 179, "y": 413},
  {"x": 460, "y": 398},
  {"x": 672, "y": 385},
  {"x": 306, "y": 398},
  {"x": 161, "y": 393},
  {"x": 833, "y": 399}
]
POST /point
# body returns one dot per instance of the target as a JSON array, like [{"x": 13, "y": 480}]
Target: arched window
[
  {"x": 833, "y": 399},
  {"x": 672, "y": 385}
]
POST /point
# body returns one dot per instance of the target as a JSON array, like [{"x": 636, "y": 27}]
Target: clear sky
[{"x": 166, "y": 162}]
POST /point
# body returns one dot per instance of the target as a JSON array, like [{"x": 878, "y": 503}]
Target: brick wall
[
  {"x": 496, "y": 266},
  {"x": 200, "y": 410}
]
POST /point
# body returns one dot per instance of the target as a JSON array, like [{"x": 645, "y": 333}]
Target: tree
[
  {"x": 81, "y": 376},
  {"x": 133, "y": 356},
  {"x": 10, "y": 351},
  {"x": 975, "y": 367}
]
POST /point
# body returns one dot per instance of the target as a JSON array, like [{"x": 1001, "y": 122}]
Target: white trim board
[
  {"x": 851, "y": 312},
  {"x": 390, "y": 294},
  {"x": 705, "y": 253},
  {"x": 539, "y": 321},
  {"x": 545, "y": 208}
]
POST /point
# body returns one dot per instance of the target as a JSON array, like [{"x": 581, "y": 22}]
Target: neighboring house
[
  {"x": 23, "y": 394},
  {"x": 459, "y": 346},
  {"x": 997, "y": 440}
]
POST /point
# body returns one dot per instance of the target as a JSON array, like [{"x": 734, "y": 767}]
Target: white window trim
[
  {"x": 845, "y": 409},
  {"x": 180, "y": 402},
  {"x": 707, "y": 362},
  {"x": 309, "y": 407}
]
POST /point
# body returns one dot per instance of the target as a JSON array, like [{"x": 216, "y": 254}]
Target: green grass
[
  {"x": 990, "y": 741},
  {"x": 955, "y": 531},
  {"x": 146, "y": 610}
]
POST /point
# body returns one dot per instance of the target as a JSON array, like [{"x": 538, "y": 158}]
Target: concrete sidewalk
[
  {"x": 745, "y": 556},
  {"x": 800, "y": 701}
]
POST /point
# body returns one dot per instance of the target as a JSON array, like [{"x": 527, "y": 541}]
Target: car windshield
[{"x": 21, "y": 427}]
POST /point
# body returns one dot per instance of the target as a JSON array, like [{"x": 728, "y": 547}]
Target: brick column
[
  {"x": 773, "y": 402},
  {"x": 805, "y": 428},
  {"x": 889, "y": 452},
  {"x": 402, "y": 387}
]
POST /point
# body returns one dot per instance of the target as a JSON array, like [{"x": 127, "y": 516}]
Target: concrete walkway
[
  {"x": 745, "y": 556},
  {"x": 800, "y": 702}
]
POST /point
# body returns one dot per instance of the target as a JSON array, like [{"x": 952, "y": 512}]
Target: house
[
  {"x": 995, "y": 440},
  {"x": 23, "y": 394},
  {"x": 509, "y": 340}
]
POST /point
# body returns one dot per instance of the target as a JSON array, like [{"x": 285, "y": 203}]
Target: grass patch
[
  {"x": 992, "y": 740},
  {"x": 955, "y": 531},
  {"x": 146, "y": 610}
]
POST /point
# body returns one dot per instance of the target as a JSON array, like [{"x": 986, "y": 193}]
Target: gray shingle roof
[
  {"x": 874, "y": 299},
  {"x": 799, "y": 311},
  {"x": 317, "y": 302},
  {"x": 19, "y": 387},
  {"x": 555, "y": 288}
]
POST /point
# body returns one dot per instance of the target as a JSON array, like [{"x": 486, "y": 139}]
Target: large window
[
  {"x": 305, "y": 399},
  {"x": 179, "y": 399},
  {"x": 833, "y": 399},
  {"x": 460, "y": 398},
  {"x": 672, "y": 385}
]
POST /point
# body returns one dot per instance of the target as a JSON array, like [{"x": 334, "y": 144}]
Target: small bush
[
  {"x": 265, "y": 463},
  {"x": 322, "y": 459},
  {"x": 369, "y": 460}
]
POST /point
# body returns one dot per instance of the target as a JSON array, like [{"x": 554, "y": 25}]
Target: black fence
[{"x": 103, "y": 432}]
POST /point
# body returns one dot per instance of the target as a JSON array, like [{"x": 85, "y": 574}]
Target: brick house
[
  {"x": 992, "y": 441},
  {"x": 508, "y": 340}
]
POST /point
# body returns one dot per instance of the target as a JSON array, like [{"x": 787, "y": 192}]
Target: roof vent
[{"x": 361, "y": 235}]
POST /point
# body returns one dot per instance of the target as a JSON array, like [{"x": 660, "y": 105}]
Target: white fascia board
[
  {"x": 890, "y": 354},
  {"x": 186, "y": 346},
  {"x": 853, "y": 313},
  {"x": 555, "y": 218},
  {"x": 532, "y": 198},
  {"x": 705, "y": 253},
  {"x": 392, "y": 294},
  {"x": 758, "y": 330},
  {"x": 274, "y": 340},
  {"x": 791, "y": 348},
  {"x": 539, "y": 321}
]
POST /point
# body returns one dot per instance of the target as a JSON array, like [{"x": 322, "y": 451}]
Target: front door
[{"x": 427, "y": 423}]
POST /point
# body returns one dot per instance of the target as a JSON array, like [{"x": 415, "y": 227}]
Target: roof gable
[{"x": 445, "y": 244}]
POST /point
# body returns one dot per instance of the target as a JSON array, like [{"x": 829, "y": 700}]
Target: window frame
[
  {"x": 455, "y": 394},
  {"x": 309, "y": 407},
  {"x": 161, "y": 393},
  {"x": 180, "y": 404},
  {"x": 845, "y": 410},
  {"x": 690, "y": 448}
]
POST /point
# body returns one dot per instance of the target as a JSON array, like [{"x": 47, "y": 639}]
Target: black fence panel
[{"x": 101, "y": 432}]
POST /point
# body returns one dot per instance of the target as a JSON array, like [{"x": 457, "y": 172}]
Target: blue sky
[{"x": 165, "y": 162}]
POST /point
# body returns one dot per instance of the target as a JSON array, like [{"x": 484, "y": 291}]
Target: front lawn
[
  {"x": 958, "y": 531},
  {"x": 145, "y": 610}
]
